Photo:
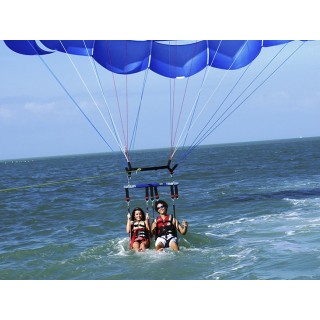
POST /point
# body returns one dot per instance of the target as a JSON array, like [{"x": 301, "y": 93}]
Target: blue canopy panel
[
  {"x": 27, "y": 47},
  {"x": 122, "y": 56},
  {"x": 166, "y": 59},
  {"x": 232, "y": 54},
  {"x": 178, "y": 60},
  {"x": 78, "y": 47},
  {"x": 271, "y": 43}
]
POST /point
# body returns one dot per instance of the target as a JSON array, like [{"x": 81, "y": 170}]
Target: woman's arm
[
  {"x": 148, "y": 222},
  {"x": 129, "y": 223}
]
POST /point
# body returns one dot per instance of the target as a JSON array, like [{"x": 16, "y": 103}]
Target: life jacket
[
  {"x": 165, "y": 227},
  {"x": 139, "y": 230}
]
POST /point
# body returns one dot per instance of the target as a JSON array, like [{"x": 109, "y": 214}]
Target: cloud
[{"x": 39, "y": 107}]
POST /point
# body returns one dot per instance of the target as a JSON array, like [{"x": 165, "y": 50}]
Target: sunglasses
[{"x": 160, "y": 207}]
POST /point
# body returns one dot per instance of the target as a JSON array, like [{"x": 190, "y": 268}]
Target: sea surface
[{"x": 253, "y": 211}]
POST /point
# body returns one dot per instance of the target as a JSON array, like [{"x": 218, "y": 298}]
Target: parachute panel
[
  {"x": 233, "y": 54},
  {"x": 27, "y": 47},
  {"x": 271, "y": 43},
  {"x": 122, "y": 56},
  {"x": 174, "y": 61},
  {"x": 78, "y": 47}
]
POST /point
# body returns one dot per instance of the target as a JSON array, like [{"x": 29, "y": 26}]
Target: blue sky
[{"x": 37, "y": 118}]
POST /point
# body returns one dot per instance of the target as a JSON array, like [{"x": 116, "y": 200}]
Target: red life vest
[
  {"x": 165, "y": 226},
  {"x": 139, "y": 232}
]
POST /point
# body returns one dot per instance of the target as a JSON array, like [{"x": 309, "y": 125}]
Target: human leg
[
  {"x": 174, "y": 244},
  {"x": 160, "y": 244},
  {"x": 136, "y": 246},
  {"x": 143, "y": 246}
]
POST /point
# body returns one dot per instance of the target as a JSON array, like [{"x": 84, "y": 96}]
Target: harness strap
[
  {"x": 176, "y": 193},
  {"x": 171, "y": 192},
  {"x": 127, "y": 194},
  {"x": 156, "y": 192},
  {"x": 151, "y": 193}
]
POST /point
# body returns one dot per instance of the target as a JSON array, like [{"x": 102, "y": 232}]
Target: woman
[{"x": 138, "y": 226}]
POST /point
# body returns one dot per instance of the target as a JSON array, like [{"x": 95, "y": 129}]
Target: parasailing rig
[
  {"x": 151, "y": 189},
  {"x": 192, "y": 119}
]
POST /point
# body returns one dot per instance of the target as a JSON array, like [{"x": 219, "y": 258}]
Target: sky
[{"x": 38, "y": 118}]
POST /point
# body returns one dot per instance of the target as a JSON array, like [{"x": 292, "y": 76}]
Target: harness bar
[
  {"x": 130, "y": 169},
  {"x": 155, "y": 184}
]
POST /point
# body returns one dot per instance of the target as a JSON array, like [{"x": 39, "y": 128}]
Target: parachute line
[
  {"x": 218, "y": 86},
  {"x": 135, "y": 128},
  {"x": 239, "y": 96},
  {"x": 116, "y": 134},
  {"x": 194, "y": 107},
  {"x": 136, "y": 123},
  {"x": 214, "y": 91},
  {"x": 89, "y": 92},
  {"x": 70, "y": 96},
  {"x": 219, "y": 107},
  {"x": 113, "y": 132},
  {"x": 212, "y": 128},
  {"x": 118, "y": 105},
  {"x": 182, "y": 103}
]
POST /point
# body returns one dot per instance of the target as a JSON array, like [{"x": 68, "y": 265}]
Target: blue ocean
[{"x": 253, "y": 213}]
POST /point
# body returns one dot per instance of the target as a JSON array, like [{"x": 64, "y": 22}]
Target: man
[{"x": 165, "y": 228}]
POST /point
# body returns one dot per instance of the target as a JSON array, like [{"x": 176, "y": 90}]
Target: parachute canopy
[{"x": 172, "y": 59}]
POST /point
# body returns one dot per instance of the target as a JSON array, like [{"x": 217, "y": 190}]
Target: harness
[
  {"x": 139, "y": 230},
  {"x": 151, "y": 188},
  {"x": 165, "y": 227}
]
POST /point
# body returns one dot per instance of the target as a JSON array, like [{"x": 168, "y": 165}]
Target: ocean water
[{"x": 253, "y": 213}]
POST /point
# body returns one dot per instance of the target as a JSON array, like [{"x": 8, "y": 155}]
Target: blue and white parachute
[{"x": 174, "y": 61}]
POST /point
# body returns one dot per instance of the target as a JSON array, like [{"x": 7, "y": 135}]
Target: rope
[
  {"x": 127, "y": 103},
  {"x": 171, "y": 97},
  {"x": 90, "y": 94},
  {"x": 115, "y": 131},
  {"x": 135, "y": 127},
  {"x": 194, "y": 107},
  {"x": 219, "y": 107},
  {"x": 217, "y": 87},
  {"x": 117, "y": 98},
  {"x": 212, "y": 127},
  {"x": 182, "y": 103},
  {"x": 72, "y": 99}
]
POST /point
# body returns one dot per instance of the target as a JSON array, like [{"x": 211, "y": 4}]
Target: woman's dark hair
[
  {"x": 160, "y": 202},
  {"x": 134, "y": 211}
]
